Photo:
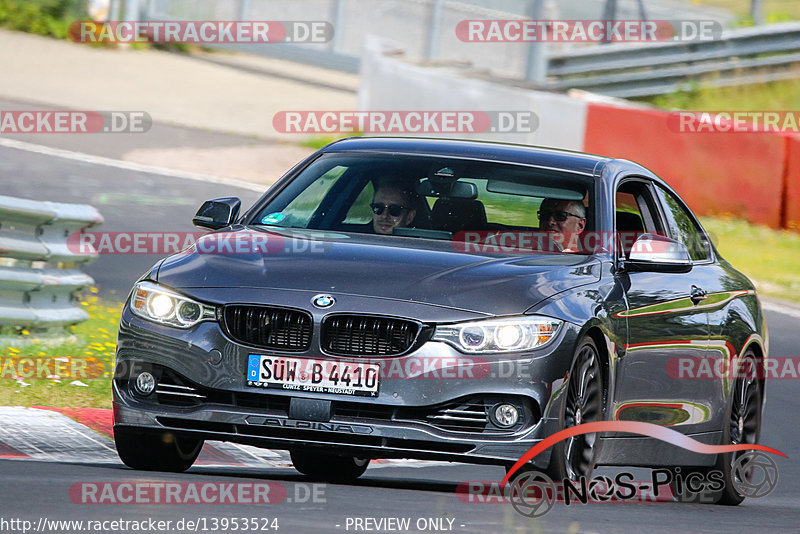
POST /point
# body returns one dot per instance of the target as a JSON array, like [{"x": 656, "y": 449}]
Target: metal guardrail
[
  {"x": 763, "y": 53},
  {"x": 425, "y": 29},
  {"x": 39, "y": 273}
]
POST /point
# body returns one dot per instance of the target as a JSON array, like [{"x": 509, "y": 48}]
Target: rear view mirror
[
  {"x": 652, "y": 252},
  {"x": 447, "y": 188},
  {"x": 217, "y": 213}
]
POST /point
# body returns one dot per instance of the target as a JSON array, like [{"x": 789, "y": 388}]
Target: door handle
[{"x": 698, "y": 294}]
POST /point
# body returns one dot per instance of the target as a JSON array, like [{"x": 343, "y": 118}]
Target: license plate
[{"x": 323, "y": 376}]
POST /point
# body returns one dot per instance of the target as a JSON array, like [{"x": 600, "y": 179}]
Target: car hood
[{"x": 407, "y": 269}]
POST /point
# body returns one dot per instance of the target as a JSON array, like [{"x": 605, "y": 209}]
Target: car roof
[{"x": 578, "y": 162}]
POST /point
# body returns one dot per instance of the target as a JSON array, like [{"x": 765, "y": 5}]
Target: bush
[{"x": 41, "y": 17}]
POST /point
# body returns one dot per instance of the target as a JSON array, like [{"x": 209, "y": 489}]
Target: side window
[{"x": 683, "y": 228}]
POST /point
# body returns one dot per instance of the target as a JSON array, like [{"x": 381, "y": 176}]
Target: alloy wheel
[{"x": 583, "y": 405}]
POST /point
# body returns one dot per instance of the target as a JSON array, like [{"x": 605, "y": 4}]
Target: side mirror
[
  {"x": 656, "y": 253},
  {"x": 217, "y": 213}
]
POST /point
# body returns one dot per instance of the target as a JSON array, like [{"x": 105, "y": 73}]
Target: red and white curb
[{"x": 85, "y": 435}]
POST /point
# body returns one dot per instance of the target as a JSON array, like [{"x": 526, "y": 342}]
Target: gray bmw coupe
[{"x": 453, "y": 300}]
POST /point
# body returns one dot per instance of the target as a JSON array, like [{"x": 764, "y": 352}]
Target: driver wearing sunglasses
[
  {"x": 563, "y": 220},
  {"x": 391, "y": 208}
]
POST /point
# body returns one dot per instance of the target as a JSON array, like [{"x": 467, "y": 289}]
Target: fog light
[
  {"x": 145, "y": 383},
  {"x": 506, "y": 415}
]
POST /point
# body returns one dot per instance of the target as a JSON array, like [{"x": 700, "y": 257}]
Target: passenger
[
  {"x": 563, "y": 220},
  {"x": 392, "y": 207}
]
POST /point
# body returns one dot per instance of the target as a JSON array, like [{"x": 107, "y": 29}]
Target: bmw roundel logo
[{"x": 323, "y": 301}]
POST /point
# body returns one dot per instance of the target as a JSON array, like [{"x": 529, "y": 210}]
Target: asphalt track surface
[{"x": 33, "y": 490}]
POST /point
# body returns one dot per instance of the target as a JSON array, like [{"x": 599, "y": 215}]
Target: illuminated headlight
[
  {"x": 155, "y": 303},
  {"x": 499, "y": 335}
]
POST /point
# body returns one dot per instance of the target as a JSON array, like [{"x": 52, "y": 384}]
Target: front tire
[
  {"x": 156, "y": 451},
  {"x": 575, "y": 457},
  {"x": 329, "y": 467}
]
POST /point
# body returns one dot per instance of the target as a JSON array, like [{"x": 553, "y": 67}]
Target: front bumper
[{"x": 205, "y": 394}]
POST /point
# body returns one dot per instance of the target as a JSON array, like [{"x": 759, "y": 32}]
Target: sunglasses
[
  {"x": 395, "y": 210},
  {"x": 559, "y": 216}
]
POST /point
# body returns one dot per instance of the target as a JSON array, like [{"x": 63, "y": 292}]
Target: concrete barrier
[
  {"x": 737, "y": 174},
  {"x": 389, "y": 84},
  {"x": 792, "y": 180}
]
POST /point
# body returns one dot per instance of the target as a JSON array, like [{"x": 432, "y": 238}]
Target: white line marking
[
  {"x": 780, "y": 308},
  {"x": 245, "y": 451},
  {"x": 127, "y": 165},
  {"x": 105, "y": 443}
]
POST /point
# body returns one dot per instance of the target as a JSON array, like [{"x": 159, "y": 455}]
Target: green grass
[
  {"x": 783, "y": 95},
  {"x": 90, "y": 361},
  {"x": 770, "y": 258},
  {"x": 774, "y": 10}
]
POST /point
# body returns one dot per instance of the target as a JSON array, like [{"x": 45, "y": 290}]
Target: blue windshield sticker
[{"x": 273, "y": 218}]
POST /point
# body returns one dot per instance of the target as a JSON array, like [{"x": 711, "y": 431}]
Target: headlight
[
  {"x": 155, "y": 303},
  {"x": 499, "y": 335}
]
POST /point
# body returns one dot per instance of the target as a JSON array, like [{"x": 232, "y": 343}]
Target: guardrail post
[
  {"x": 434, "y": 23},
  {"x": 132, "y": 10},
  {"x": 113, "y": 10},
  {"x": 244, "y": 10},
  {"x": 609, "y": 13},
  {"x": 337, "y": 14},
  {"x": 642, "y": 11},
  {"x": 536, "y": 65},
  {"x": 757, "y": 11}
]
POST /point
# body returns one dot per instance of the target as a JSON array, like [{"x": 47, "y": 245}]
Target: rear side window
[{"x": 683, "y": 227}]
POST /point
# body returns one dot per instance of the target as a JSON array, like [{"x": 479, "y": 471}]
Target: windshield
[{"x": 466, "y": 201}]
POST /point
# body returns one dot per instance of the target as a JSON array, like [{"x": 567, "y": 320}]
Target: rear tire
[
  {"x": 329, "y": 467},
  {"x": 742, "y": 425},
  {"x": 156, "y": 451}
]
